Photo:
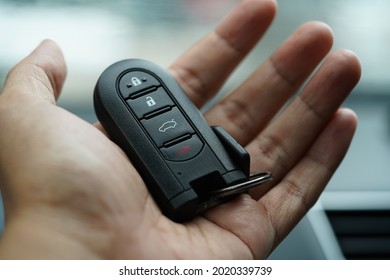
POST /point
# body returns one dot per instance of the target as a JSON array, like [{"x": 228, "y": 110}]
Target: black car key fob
[{"x": 187, "y": 165}]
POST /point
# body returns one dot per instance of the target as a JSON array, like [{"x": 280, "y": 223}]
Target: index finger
[{"x": 203, "y": 69}]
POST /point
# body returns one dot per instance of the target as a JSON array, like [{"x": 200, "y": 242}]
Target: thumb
[{"x": 42, "y": 73}]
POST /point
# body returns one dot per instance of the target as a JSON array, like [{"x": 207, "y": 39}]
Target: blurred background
[{"x": 94, "y": 34}]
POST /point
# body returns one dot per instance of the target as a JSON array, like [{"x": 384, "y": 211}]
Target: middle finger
[{"x": 246, "y": 111}]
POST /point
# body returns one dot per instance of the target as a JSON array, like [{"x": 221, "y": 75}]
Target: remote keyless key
[{"x": 187, "y": 165}]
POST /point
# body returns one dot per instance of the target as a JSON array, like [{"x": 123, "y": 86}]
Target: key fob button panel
[{"x": 187, "y": 166}]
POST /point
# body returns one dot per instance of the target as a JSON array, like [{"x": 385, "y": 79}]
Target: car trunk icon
[{"x": 168, "y": 125}]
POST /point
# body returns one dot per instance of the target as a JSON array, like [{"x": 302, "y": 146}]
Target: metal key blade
[{"x": 254, "y": 180}]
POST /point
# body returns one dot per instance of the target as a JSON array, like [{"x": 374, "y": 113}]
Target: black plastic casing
[{"x": 180, "y": 188}]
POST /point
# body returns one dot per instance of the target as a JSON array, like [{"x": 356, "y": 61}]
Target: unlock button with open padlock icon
[{"x": 150, "y": 101}]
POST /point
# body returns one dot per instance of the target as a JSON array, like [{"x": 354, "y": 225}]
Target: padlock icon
[
  {"x": 150, "y": 101},
  {"x": 135, "y": 81}
]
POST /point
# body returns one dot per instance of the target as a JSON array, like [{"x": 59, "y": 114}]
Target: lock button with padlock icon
[{"x": 135, "y": 82}]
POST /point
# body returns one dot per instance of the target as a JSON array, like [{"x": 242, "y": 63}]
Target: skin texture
[{"x": 70, "y": 193}]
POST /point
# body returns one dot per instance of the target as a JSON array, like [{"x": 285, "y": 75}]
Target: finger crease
[
  {"x": 311, "y": 108},
  {"x": 292, "y": 193},
  {"x": 237, "y": 113},
  {"x": 316, "y": 159},
  {"x": 190, "y": 82},
  {"x": 272, "y": 148},
  {"x": 293, "y": 189},
  {"x": 276, "y": 235},
  {"x": 244, "y": 241},
  {"x": 39, "y": 77},
  {"x": 281, "y": 74},
  {"x": 230, "y": 46}
]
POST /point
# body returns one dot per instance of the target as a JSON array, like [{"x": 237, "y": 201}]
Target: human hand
[{"x": 69, "y": 192}]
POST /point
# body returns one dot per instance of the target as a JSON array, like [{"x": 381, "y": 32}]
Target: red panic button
[{"x": 184, "y": 150}]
